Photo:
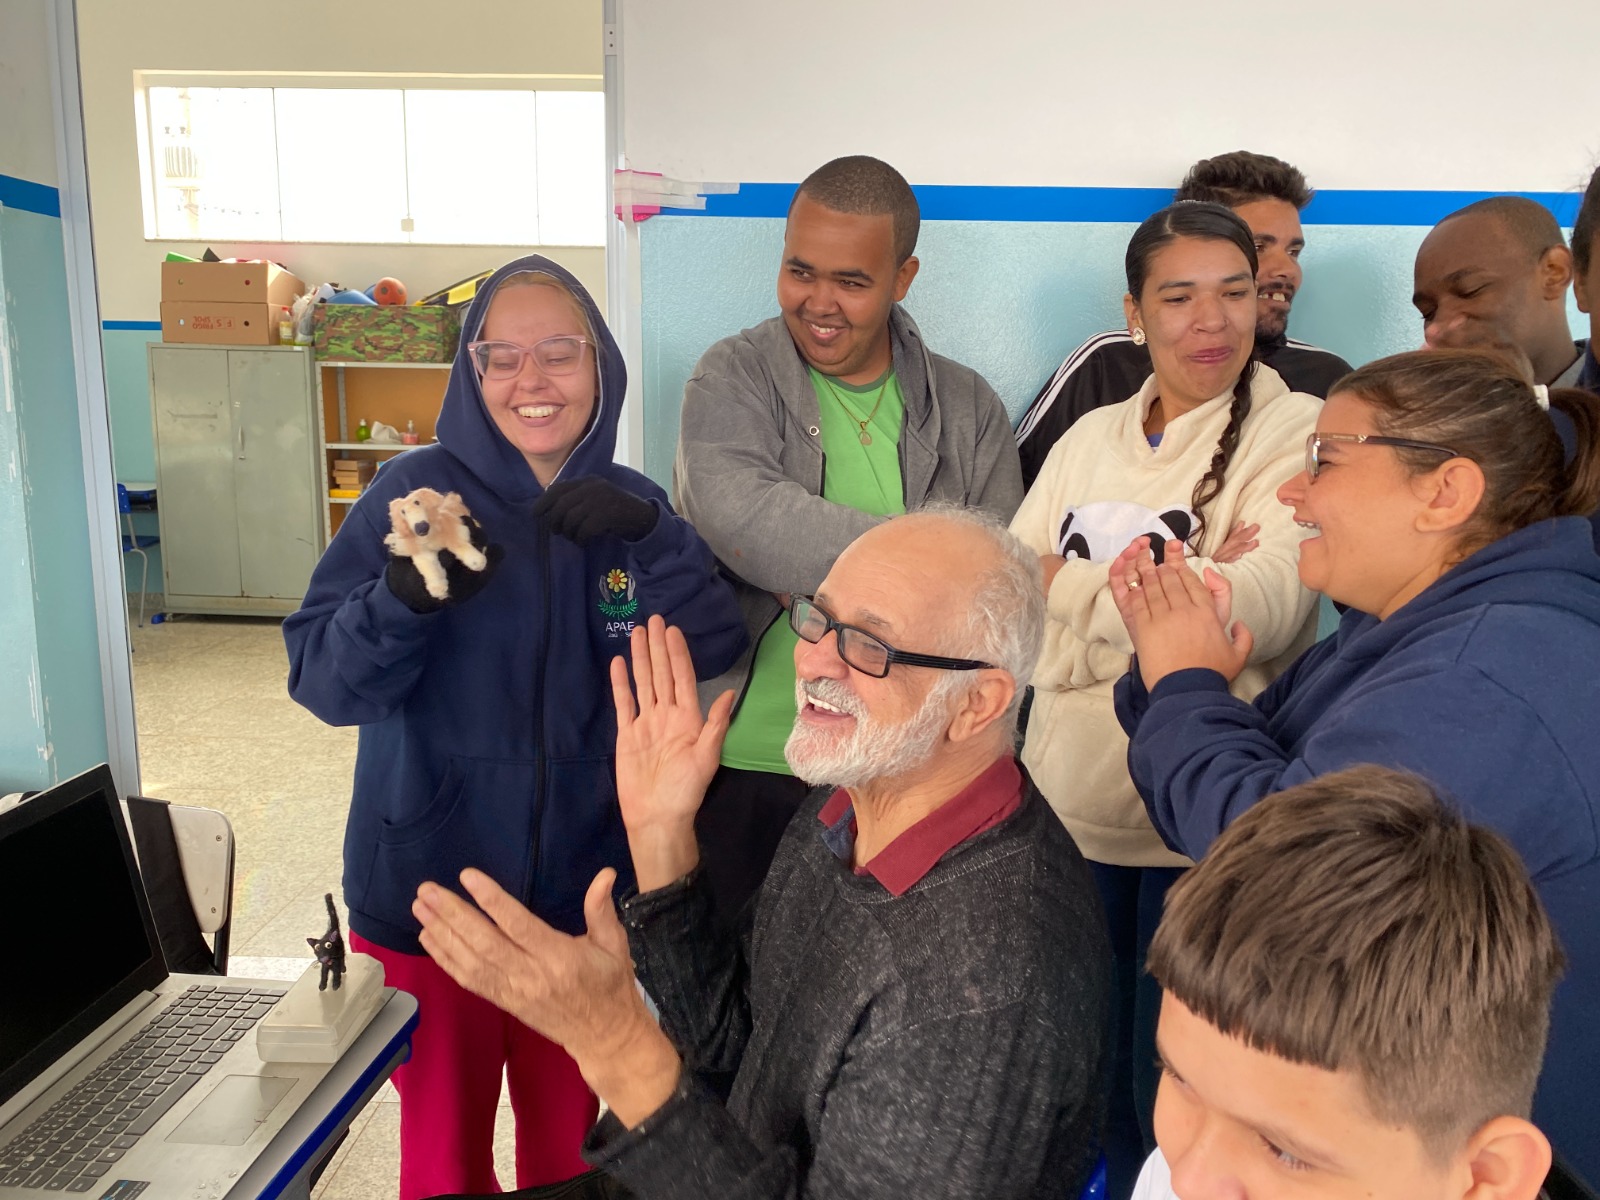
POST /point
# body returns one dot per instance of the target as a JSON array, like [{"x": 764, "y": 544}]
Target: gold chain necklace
[{"x": 866, "y": 438}]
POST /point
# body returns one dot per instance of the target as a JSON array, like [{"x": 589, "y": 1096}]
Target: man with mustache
[
  {"x": 802, "y": 433},
  {"x": 1269, "y": 195},
  {"x": 920, "y": 1008}
]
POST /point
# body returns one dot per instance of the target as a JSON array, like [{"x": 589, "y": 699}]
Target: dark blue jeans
[{"x": 1132, "y": 897}]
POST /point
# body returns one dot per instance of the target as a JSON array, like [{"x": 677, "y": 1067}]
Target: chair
[
  {"x": 186, "y": 861},
  {"x": 1563, "y": 1183},
  {"x": 134, "y": 543}
]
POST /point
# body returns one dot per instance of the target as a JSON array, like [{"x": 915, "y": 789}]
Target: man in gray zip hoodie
[{"x": 797, "y": 436}]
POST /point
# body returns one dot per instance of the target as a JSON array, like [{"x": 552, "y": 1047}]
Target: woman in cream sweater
[{"x": 1195, "y": 456}]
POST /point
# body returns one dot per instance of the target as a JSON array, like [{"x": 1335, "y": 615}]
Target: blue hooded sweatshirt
[
  {"x": 1484, "y": 685},
  {"x": 487, "y": 728}
]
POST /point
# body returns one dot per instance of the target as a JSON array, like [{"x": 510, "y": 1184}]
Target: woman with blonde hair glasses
[
  {"x": 1196, "y": 455},
  {"x": 486, "y": 725},
  {"x": 1441, "y": 513}
]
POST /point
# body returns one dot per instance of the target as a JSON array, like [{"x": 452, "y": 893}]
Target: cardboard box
[
  {"x": 229, "y": 283},
  {"x": 221, "y": 324},
  {"x": 385, "y": 333}
]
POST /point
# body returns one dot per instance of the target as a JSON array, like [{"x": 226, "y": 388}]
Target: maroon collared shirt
[{"x": 982, "y": 804}]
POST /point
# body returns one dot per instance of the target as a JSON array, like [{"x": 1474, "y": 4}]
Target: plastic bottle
[
  {"x": 363, "y": 434},
  {"x": 409, "y": 437}
]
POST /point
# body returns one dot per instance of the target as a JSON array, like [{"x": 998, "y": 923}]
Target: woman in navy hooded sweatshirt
[
  {"x": 1444, "y": 517},
  {"x": 487, "y": 729}
]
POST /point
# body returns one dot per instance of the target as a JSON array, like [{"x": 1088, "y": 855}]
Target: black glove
[
  {"x": 405, "y": 581},
  {"x": 584, "y": 509}
]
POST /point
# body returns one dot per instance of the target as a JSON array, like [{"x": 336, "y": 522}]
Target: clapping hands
[{"x": 1176, "y": 619}]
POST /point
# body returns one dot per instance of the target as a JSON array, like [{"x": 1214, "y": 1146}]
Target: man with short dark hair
[
  {"x": 1268, "y": 194},
  {"x": 1496, "y": 273},
  {"x": 1356, "y": 995},
  {"x": 1494, "y": 276},
  {"x": 800, "y": 434},
  {"x": 920, "y": 1007}
]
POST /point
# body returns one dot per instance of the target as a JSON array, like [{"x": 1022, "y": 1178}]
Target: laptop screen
[{"x": 82, "y": 943}]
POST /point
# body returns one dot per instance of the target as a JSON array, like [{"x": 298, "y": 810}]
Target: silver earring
[{"x": 1138, "y": 336}]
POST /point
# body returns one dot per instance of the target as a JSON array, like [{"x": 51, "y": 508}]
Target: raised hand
[
  {"x": 577, "y": 991},
  {"x": 591, "y": 507},
  {"x": 1175, "y": 619},
  {"x": 666, "y": 752}
]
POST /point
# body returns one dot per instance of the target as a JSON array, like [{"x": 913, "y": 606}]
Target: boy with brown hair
[{"x": 1356, "y": 992}]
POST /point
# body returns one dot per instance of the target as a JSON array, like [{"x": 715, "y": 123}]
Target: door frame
[{"x": 94, "y": 411}]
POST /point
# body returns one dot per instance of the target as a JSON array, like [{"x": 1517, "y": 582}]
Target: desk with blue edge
[{"x": 285, "y": 1168}]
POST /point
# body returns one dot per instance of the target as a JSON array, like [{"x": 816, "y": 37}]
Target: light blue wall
[
  {"x": 133, "y": 449},
  {"x": 62, "y": 730},
  {"x": 133, "y": 444},
  {"x": 1010, "y": 298},
  {"x": 23, "y": 739}
]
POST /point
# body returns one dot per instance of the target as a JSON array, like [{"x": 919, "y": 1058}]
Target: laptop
[{"x": 118, "y": 1078}]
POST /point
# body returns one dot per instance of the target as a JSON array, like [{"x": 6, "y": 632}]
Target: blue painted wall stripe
[
  {"x": 130, "y": 324},
  {"x": 28, "y": 196},
  {"x": 952, "y": 203}
]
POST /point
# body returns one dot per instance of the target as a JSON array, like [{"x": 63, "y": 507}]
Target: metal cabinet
[{"x": 239, "y": 476}]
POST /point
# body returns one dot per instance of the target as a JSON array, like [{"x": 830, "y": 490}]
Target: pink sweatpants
[{"x": 450, "y": 1087}]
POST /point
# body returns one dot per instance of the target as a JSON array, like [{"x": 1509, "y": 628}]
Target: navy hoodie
[
  {"x": 487, "y": 729},
  {"x": 1485, "y": 685}
]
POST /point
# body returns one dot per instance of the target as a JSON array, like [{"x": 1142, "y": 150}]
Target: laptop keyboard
[{"x": 80, "y": 1137}]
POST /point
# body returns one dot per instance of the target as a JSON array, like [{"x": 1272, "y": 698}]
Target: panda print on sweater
[{"x": 1100, "y": 531}]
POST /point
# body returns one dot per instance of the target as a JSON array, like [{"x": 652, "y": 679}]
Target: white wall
[
  {"x": 1360, "y": 94},
  {"x": 389, "y": 37},
  {"x": 27, "y": 130}
]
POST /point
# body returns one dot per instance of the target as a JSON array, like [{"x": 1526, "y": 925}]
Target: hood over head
[{"x": 469, "y": 433}]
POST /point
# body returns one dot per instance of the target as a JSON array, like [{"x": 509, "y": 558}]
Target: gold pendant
[{"x": 866, "y": 438}]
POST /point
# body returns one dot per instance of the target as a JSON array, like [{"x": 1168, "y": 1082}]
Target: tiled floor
[{"x": 217, "y": 728}]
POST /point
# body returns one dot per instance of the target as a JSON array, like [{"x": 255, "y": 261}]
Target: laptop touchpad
[{"x": 233, "y": 1111}]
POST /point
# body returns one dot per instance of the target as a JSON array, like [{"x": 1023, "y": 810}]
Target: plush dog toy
[{"x": 426, "y": 523}]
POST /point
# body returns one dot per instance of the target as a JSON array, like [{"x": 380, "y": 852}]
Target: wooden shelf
[
  {"x": 392, "y": 392},
  {"x": 401, "y": 366}
]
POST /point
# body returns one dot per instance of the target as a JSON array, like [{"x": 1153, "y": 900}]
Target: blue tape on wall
[
  {"x": 146, "y": 325},
  {"x": 942, "y": 202},
  {"x": 27, "y": 196}
]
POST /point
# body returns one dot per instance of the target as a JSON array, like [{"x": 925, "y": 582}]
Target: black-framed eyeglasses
[
  {"x": 560, "y": 355},
  {"x": 861, "y": 650},
  {"x": 1314, "y": 446}
]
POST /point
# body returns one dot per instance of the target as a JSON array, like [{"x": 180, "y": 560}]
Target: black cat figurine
[{"x": 329, "y": 949}]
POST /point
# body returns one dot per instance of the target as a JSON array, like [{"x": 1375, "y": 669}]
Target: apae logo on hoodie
[{"x": 618, "y": 603}]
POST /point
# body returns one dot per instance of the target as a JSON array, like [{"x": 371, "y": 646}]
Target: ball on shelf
[{"x": 389, "y": 290}]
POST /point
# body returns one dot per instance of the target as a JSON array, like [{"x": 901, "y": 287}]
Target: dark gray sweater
[{"x": 946, "y": 1043}]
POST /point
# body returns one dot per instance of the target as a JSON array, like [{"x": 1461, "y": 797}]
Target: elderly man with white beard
[{"x": 919, "y": 1007}]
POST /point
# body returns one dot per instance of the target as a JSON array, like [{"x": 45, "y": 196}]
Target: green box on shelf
[{"x": 385, "y": 332}]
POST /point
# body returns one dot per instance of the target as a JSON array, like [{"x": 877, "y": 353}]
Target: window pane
[
  {"x": 341, "y": 164},
  {"x": 574, "y": 195},
  {"x": 213, "y": 167},
  {"x": 472, "y": 167}
]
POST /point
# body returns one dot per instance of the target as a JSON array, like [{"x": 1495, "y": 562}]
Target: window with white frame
[{"x": 395, "y": 165}]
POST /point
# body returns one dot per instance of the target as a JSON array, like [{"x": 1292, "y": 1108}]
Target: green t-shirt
[{"x": 866, "y": 477}]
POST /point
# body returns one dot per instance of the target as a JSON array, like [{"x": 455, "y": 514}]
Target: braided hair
[{"x": 1198, "y": 219}]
